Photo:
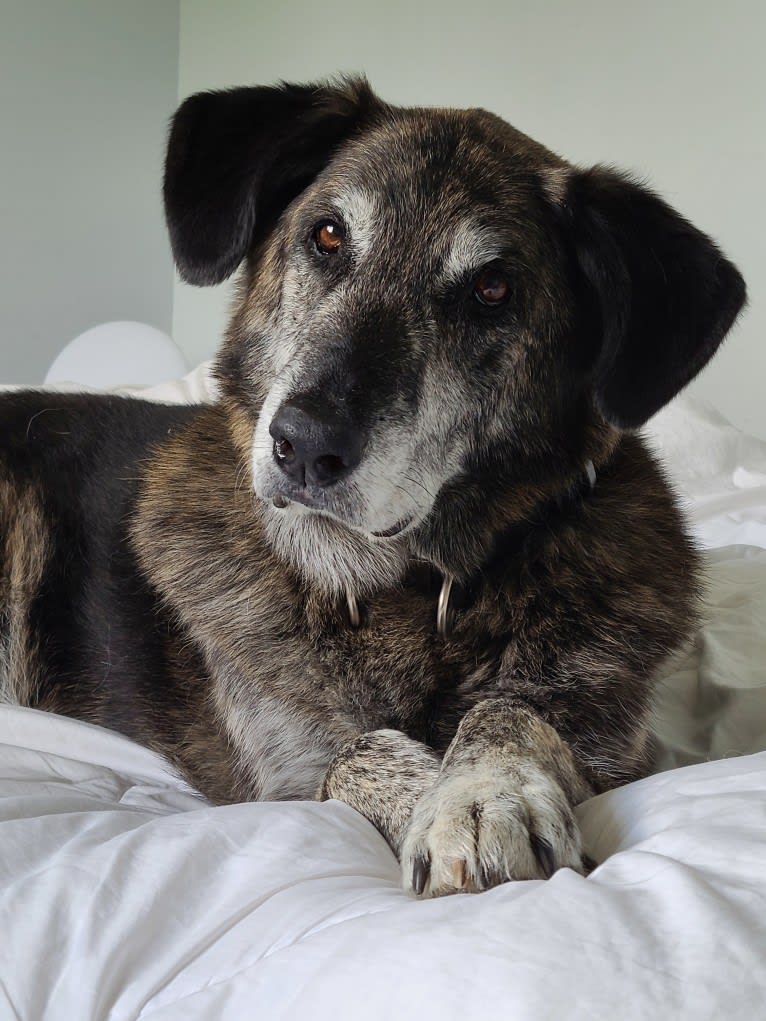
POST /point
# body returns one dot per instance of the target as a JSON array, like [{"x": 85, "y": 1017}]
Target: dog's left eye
[
  {"x": 491, "y": 287},
  {"x": 328, "y": 237}
]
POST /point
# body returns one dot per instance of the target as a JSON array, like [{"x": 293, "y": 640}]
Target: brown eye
[
  {"x": 491, "y": 287},
  {"x": 328, "y": 237}
]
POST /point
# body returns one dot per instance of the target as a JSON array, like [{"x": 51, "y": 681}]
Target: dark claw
[
  {"x": 544, "y": 854},
  {"x": 484, "y": 880},
  {"x": 421, "y": 870},
  {"x": 588, "y": 864}
]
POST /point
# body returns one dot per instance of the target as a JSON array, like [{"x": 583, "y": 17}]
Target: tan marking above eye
[
  {"x": 491, "y": 287},
  {"x": 328, "y": 237}
]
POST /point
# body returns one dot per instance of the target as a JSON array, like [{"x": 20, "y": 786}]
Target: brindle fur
[{"x": 155, "y": 588}]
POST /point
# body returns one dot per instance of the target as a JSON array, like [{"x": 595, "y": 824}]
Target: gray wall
[
  {"x": 86, "y": 90},
  {"x": 673, "y": 91}
]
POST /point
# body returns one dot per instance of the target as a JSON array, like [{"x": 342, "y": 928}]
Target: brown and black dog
[{"x": 415, "y": 557}]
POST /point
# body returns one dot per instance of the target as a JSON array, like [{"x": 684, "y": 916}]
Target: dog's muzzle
[{"x": 314, "y": 447}]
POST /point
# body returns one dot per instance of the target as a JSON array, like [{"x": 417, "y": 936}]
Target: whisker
[{"x": 421, "y": 484}]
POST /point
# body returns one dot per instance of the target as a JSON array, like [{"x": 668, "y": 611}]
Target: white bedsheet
[{"x": 122, "y": 895}]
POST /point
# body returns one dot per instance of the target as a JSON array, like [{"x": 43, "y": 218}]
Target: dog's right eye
[
  {"x": 328, "y": 237},
  {"x": 491, "y": 287}
]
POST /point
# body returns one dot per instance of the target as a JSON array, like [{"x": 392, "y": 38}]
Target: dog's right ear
[
  {"x": 236, "y": 158},
  {"x": 660, "y": 296}
]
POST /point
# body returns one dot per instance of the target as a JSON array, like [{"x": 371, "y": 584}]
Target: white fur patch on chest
[{"x": 285, "y": 755}]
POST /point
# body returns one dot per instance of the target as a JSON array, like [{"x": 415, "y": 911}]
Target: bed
[{"x": 124, "y": 895}]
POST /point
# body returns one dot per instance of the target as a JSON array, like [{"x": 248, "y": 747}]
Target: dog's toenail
[
  {"x": 420, "y": 871},
  {"x": 544, "y": 854},
  {"x": 588, "y": 864},
  {"x": 280, "y": 502}
]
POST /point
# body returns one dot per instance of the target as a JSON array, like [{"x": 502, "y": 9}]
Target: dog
[{"x": 416, "y": 556}]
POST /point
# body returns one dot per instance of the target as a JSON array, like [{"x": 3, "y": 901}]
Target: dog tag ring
[
  {"x": 443, "y": 622},
  {"x": 353, "y": 610}
]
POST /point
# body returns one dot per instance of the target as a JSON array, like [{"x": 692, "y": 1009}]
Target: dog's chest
[
  {"x": 395, "y": 667},
  {"x": 303, "y": 690}
]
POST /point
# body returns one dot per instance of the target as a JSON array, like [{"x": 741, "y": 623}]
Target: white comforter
[{"x": 122, "y": 895}]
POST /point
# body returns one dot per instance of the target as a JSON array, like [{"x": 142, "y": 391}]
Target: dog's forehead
[
  {"x": 460, "y": 156},
  {"x": 462, "y": 179}
]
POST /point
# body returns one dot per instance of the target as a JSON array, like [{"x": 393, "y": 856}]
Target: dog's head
[{"x": 434, "y": 310}]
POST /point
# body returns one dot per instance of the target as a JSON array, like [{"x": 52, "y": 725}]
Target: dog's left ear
[
  {"x": 661, "y": 296},
  {"x": 236, "y": 158}
]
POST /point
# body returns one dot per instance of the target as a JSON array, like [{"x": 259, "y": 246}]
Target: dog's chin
[
  {"x": 403, "y": 525},
  {"x": 337, "y": 556},
  {"x": 382, "y": 531},
  {"x": 344, "y": 513}
]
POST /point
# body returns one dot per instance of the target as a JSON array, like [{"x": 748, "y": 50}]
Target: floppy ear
[
  {"x": 659, "y": 293},
  {"x": 235, "y": 159}
]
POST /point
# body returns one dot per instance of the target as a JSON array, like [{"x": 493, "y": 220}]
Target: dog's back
[{"x": 74, "y": 611}]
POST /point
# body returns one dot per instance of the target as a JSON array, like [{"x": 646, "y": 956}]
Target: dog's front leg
[
  {"x": 502, "y": 807},
  {"x": 382, "y": 774}
]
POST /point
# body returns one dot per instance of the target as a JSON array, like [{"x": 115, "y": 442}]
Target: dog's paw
[
  {"x": 382, "y": 774},
  {"x": 481, "y": 825}
]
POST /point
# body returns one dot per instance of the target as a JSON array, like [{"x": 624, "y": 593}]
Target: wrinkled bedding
[{"x": 123, "y": 895}]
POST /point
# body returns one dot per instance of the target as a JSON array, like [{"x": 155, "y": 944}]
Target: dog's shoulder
[
  {"x": 635, "y": 532},
  {"x": 616, "y": 520},
  {"x": 606, "y": 583}
]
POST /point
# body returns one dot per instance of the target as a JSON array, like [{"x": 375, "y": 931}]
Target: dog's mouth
[
  {"x": 389, "y": 533},
  {"x": 281, "y": 502}
]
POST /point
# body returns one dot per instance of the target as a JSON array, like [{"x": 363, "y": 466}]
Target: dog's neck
[
  {"x": 473, "y": 520},
  {"x": 469, "y": 528},
  {"x": 443, "y": 611}
]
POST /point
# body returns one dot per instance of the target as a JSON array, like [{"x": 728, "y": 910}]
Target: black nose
[{"x": 314, "y": 445}]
